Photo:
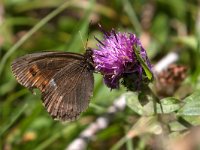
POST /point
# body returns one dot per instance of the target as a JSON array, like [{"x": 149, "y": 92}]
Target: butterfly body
[{"x": 65, "y": 80}]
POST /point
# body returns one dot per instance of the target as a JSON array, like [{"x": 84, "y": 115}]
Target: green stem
[
  {"x": 155, "y": 100},
  {"x": 184, "y": 122},
  {"x": 13, "y": 120},
  {"x": 132, "y": 16},
  {"x": 154, "y": 107}
]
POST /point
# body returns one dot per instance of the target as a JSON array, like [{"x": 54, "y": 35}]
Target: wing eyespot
[{"x": 33, "y": 71}]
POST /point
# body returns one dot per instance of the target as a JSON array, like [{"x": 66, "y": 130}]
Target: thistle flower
[{"x": 121, "y": 57}]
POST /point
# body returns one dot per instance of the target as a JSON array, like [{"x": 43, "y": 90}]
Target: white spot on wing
[{"x": 52, "y": 83}]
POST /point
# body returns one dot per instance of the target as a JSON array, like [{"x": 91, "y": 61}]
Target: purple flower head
[{"x": 116, "y": 59}]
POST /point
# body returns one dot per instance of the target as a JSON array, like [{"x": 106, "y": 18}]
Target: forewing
[
  {"x": 36, "y": 70},
  {"x": 69, "y": 91}
]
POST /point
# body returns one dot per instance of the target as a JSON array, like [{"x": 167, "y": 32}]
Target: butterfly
[{"x": 65, "y": 80}]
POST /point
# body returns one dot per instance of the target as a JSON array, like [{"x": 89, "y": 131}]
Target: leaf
[
  {"x": 189, "y": 41},
  {"x": 133, "y": 103},
  {"x": 192, "y": 105},
  {"x": 145, "y": 125},
  {"x": 169, "y": 105}
]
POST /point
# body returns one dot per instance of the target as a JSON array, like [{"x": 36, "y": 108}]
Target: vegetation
[{"x": 163, "y": 27}]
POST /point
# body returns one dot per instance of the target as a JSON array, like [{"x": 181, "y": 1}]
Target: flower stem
[{"x": 155, "y": 99}]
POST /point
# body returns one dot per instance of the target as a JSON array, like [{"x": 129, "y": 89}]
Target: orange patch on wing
[{"x": 39, "y": 81}]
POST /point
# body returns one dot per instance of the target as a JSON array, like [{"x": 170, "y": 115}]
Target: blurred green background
[{"x": 28, "y": 26}]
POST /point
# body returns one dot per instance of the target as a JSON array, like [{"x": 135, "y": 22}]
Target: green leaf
[
  {"x": 189, "y": 41},
  {"x": 133, "y": 103},
  {"x": 192, "y": 105},
  {"x": 169, "y": 105},
  {"x": 144, "y": 65}
]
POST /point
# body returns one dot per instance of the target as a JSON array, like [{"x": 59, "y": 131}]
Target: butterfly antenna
[
  {"x": 85, "y": 46},
  {"x": 88, "y": 33},
  {"x": 82, "y": 39},
  {"x": 87, "y": 40}
]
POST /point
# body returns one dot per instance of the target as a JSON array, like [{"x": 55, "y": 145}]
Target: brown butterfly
[{"x": 65, "y": 80}]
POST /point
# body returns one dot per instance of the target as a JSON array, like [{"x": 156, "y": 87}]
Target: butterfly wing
[
  {"x": 69, "y": 92},
  {"x": 35, "y": 70},
  {"x": 50, "y": 72}
]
